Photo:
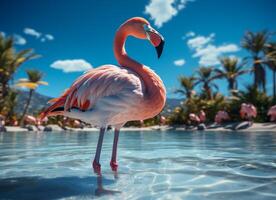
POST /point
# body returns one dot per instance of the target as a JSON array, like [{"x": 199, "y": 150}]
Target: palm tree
[
  {"x": 187, "y": 86},
  {"x": 206, "y": 76},
  {"x": 230, "y": 71},
  {"x": 10, "y": 60},
  {"x": 32, "y": 82},
  {"x": 9, "y": 105},
  {"x": 255, "y": 44},
  {"x": 270, "y": 53}
]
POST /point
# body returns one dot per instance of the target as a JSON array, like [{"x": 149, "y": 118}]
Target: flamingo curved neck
[
  {"x": 149, "y": 78},
  {"x": 155, "y": 93},
  {"x": 120, "y": 52}
]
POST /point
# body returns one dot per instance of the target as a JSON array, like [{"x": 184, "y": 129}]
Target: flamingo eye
[{"x": 147, "y": 29}]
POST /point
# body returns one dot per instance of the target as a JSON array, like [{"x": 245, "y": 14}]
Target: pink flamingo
[
  {"x": 221, "y": 116},
  {"x": 248, "y": 111},
  {"x": 110, "y": 95},
  {"x": 77, "y": 124},
  {"x": 43, "y": 121},
  {"x": 193, "y": 117},
  {"x": 162, "y": 120},
  {"x": 29, "y": 119},
  {"x": 142, "y": 124},
  {"x": 272, "y": 113},
  {"x": 202, "y": 116}
]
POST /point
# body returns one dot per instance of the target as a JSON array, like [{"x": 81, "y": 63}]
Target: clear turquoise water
[{"x": 156, "y": 165}]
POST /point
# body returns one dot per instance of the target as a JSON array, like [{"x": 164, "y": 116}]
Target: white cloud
[
  {"x": 199, "y": 41},
  {"x": 190, "y": 34},
  {"x": 3, "y": 33},
  {"x": 227, "y": 48},
  {"x": 19, "y": 40},
  {"x": 162, "y": 11},
  {"x": 43, "y": 37},
  {"x": 179, "y": 62},
  {"x": 49, "y": 37},
  {"x": 74, "y": 65},
  {"x": 32, "y": 32},
  {"x": 207, "y": 52}
]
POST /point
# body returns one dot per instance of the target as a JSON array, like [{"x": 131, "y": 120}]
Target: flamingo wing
[{"x": 106, "y": 89}]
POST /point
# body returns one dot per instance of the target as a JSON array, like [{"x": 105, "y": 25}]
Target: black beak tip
[{"x": 159, "y": 48}]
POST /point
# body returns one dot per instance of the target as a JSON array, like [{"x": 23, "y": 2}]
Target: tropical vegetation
[
  {"x": 261, "y": 56},
  {"x": 198, "y": 92},
  {"x": 32, "y": 82},
  {"x": 10, "y": 61}
]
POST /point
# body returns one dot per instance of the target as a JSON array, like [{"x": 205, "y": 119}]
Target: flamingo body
[
  {"x": 107, "y": 95},
  {"x": 110, "y": 95}
]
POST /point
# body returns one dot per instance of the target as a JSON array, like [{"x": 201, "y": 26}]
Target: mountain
[
  {"x": 39, "y": 102},
  {"x": 171, "y": 103}
]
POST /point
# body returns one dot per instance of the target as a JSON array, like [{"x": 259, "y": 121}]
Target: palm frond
[
  {"x": 42, "y": 83},
  {"x": 28, "y": 85}
]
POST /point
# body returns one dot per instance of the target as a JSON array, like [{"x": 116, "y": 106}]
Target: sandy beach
[{"x": 256, "y": 127}]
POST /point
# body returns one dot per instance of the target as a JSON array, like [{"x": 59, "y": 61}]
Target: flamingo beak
[
  {"x": 159, "y": 48},
  {"x": 156, "y": 39}
]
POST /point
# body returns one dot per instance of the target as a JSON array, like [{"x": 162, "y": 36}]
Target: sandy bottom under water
[{"x": 152, "y": 165}]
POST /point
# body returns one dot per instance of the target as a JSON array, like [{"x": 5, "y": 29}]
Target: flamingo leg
[
  {"x": 113, "y": 163},
  {"x": 96, "y": 162}
]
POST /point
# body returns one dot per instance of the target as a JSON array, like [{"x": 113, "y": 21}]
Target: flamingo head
[
  {"x": 141, "y": 28},
  {"x": 155, "y": 38}
]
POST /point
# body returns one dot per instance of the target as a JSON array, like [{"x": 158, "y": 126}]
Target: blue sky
[{"x": 77, "y": 35}]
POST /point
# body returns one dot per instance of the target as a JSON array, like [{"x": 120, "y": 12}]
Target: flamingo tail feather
[{"x": 57, "y": 108}]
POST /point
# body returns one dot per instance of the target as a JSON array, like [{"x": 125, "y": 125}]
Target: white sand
[
  {"x": 262, "y": 127},
  {"x": 15, "y": 129},
  {"x": 256, "y": 127}
]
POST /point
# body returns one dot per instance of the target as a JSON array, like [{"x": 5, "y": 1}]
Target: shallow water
[{"x": 155, "y": 165}]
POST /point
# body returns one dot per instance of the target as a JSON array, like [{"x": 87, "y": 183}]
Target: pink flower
[
  {"x": 272, "y": 113},
  {"x": 162, "y": 120},
  {"x": 202, "y": 116},
  {"x": 221, "y": 116},
  {"x": 248, "y": 111},
  {"x": 194, "y": 117}
]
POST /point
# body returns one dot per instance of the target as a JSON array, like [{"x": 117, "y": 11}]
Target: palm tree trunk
[
  {"x": 26, "y": 107},
  {"x": 274, "y": 84},
  {"x": 189, "y": 95},
  {"x": 4, "y": 91},
  {"x": 259, "y": 75},
  {"x": 208, "y": 91},
  {"x": 232, "y": 84}
]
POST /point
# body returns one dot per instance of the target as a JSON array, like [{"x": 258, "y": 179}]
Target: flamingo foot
[
  {"x": 113, "y": 165},
  {"x": 97, "y": 167}
]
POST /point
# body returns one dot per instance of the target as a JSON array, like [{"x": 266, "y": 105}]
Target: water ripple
[{"x": 167, "y": 165}]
